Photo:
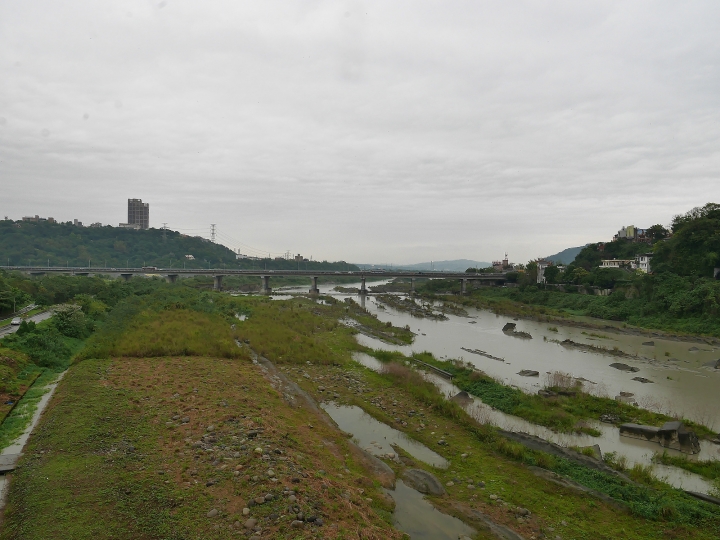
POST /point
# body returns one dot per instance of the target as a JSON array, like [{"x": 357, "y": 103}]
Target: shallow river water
[{"x": 682, "y": 382}]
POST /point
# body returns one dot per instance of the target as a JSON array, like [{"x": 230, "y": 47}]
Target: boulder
[
  {"x": 626, "y": 399},
  {"x": 642, "y": 380},
  {"x": 509, "y": 327},
  {"x": 676, "y": 436},
  {"x": 672, "y": 435},
  {"x": 423, "y": 481},
  {"x": 462, "y": 398},
  {"x": 624, "y": 367},
  {"x": 528, "y": 373}
]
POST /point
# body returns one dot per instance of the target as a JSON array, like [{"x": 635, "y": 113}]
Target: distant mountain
[
  {"x": 457, "y": 265},
  {"x": 566, "y": 256}
]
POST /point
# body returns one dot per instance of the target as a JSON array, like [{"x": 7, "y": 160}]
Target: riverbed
[{"x": 682, "y": 383}]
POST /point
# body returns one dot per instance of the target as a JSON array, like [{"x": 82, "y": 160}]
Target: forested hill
[{"x": 25, "y": 243}]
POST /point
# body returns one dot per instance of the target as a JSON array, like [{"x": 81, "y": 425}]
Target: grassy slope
[
  {"x": 81, "y": 478},
  {"x": 499, "y": 464},
  {"x": 93, "y": 468}
]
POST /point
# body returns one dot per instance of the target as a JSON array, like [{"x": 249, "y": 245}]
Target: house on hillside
[
  {"x": 542, "y": 264},
  {"x": 633, "y": 234},
  {"x": 642, "y": 262},
  {"x": 618, "y": 263}
]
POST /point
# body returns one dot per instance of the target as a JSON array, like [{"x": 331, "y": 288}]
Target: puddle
[
  {"x": 367, "y": 361},
  {"x": 377, "y": 438},
  {"x": 421, "y": 520}
]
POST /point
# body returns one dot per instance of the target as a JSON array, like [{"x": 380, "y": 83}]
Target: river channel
[{"x": 682, "y": 384}]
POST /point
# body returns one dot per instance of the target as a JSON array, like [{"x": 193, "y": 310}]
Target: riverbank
[
  {"x": 182, "y": 443},
  {"x": 499, "y": 302}
]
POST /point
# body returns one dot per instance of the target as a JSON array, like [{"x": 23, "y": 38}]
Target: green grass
[
  {"x": 171, "y": 332},
  {"x": 19, "y": 418},
  {"x": 565, "y": 414},
  {"x": 650, "y": 501},
  {"x": 707, "y": 468}
]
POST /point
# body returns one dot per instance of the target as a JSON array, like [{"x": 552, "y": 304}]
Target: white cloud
[{"x": 368, "y": 131}]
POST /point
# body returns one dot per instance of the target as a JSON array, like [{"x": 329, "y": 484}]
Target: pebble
[
  {"x": 250, "y": 523},
  {"x": 246, "y": 511},
  {"x": 493, "y": 497},
  {"x": 212, "y": 513},
  {"x": 296, "y": 523},
  {"x": 210, "y": 429},
  {"x": 269, "y": 497},
  {"x": 450, "y": 484},
  {"x": 292, "y": 498},
  {"x": 270, "y": 473},
  {"x": 258, "y": 450},
  {"x": 259, "y": 500}
]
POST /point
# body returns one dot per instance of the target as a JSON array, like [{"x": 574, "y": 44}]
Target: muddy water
[
  {"x": 421, "y": 520},
  {"x": 377, "y": 438},
  {"x": 635, "y": 451},
  {"x": 413, "y": 514},
  {"x": 683, "y": 384}
]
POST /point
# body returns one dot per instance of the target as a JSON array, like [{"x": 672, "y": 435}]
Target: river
[{"x": 682, "y": 382}]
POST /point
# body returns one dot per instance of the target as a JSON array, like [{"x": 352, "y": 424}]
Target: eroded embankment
[{"x": 187, "y": 446}]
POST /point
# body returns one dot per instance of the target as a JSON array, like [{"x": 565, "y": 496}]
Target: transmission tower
[
  {"x": 212, "y": 232},
  {"x": 164, "y": 233}
]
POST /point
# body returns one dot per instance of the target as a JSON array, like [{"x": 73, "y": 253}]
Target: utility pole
[{"x": 212, "y": 232}]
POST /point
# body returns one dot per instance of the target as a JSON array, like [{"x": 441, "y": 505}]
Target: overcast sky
[{"x": 367, "y": 131}]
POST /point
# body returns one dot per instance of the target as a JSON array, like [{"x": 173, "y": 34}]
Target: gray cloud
[{"x": 369, "y": 131}]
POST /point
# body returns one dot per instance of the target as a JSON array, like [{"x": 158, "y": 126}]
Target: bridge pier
[
  {"x": 171, "y": 278},
  {"x": 314, "y": 288},
  {"x": 463, "y": 287},
  {"x": 266, "y": 285},
  {"x": 362, "y": 290},
  {"x": 217, "y": 282},
  {"x": 126, "y": 277},
  {"x": 412, "y": 285}
]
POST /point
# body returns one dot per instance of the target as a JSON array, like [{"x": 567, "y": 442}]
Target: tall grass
[{"x": 166, "y": 333}]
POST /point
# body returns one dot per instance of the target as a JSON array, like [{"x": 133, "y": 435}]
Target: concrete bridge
[{"x": 172, "y": 274}]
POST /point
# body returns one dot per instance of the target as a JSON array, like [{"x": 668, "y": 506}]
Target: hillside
[
  {"x": 59, "y": 244},
  {"x": 566, "y": 256}
]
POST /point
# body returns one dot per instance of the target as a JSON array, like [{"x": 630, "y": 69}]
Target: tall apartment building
[{"x": 138, "y": 213}]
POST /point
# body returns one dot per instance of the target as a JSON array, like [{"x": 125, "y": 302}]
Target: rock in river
[
  {"x": 624, "y": 367},
  {"x": 423, "y": 481},
  {"x": 528, "y": 373}
]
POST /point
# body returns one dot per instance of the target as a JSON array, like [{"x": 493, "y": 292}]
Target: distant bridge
[{"x": 172, "y": 274}]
